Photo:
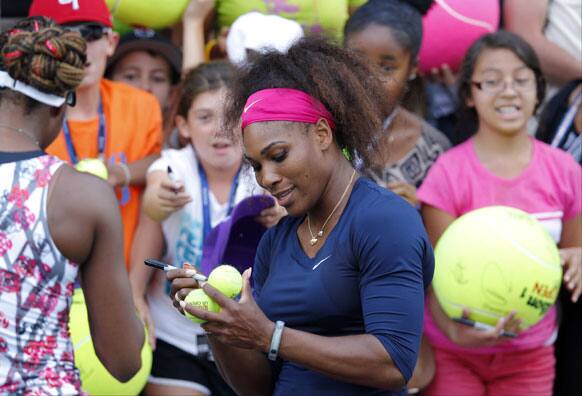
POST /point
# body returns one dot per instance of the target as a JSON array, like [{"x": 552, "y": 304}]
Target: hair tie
[
  {"x": 13, "y": 54},
  {"x": 54, "y": 50}
]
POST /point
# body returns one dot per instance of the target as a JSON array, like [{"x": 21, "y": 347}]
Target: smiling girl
[
  {"x": 501, "y": 86},
  {"x": 206, "y": 181}
]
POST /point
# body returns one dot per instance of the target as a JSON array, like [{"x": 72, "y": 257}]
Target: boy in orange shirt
[{"x": 112, "y": 121}]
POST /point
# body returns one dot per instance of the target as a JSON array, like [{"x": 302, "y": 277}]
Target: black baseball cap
[{"x": 148, "y": 40}]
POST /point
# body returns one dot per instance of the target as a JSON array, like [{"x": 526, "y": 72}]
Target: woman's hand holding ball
[{"x": 239, "y": 324}]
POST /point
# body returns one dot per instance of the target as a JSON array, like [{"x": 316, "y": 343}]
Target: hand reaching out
[
  {"x": 571, "y": 260},
  {"x": 198, "y": 9}
]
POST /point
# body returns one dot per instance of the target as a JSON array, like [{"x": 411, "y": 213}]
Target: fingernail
[
  {"x": 191, "y": 272},
  {"x": 182, "y": 303}
]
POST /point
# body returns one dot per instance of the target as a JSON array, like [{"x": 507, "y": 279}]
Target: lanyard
[
  {"x": 100, "y": 137},
  {"x": 205, "y": 191}
]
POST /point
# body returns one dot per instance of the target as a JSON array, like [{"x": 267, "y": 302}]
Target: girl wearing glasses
[{"x": 501, "y": 86}]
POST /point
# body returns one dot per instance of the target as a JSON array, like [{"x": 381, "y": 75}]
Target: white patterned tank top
[{"x": 36, "y": 284}]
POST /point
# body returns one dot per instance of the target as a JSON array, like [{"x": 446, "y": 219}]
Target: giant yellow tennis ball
[
  {"x": 226, "y": 279},
  {"x": 95, "y": 379},
  {"x": 198, "y": 299},
  {"x": 494, "y": 260},
  {"x": 94, "y": 166},
  {"x": 154, "y": 14}
]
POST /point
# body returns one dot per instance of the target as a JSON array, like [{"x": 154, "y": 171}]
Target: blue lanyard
[
  {"x": 100, "y": 137},
  {"x": 205, "y": 191}
]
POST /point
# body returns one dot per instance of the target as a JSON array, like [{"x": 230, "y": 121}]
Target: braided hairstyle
[
  {"x": 37, "y": 52},
  {"x": 348, "y": 87}
]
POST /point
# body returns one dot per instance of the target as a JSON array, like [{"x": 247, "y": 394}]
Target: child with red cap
[{"x": 114, "y": 122}]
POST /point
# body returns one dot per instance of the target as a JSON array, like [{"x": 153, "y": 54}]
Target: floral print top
[{"x": 36, "y": 284}]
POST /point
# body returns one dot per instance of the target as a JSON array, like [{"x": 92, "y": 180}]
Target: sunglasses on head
[{"x": 91, "y": 31}]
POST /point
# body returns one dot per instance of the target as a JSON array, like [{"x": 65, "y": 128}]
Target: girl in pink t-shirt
[{"x": 501, "y": 86}]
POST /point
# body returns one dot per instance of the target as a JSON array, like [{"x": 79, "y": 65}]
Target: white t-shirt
[
  {"x": 183, "y": 238},
  {"x": 564, "y": 28}
]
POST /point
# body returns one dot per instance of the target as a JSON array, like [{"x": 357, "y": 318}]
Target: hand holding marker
[
  {"x": 172, "y": 177},
  {"x": 225, "y": 278},
  {"x": 167, "y": 267}
]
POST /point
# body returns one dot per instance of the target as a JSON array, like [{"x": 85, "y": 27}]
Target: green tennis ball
[
  {"x": 494, "y": 260},
  {"x": 154, "y": 14},
  {"x": 227, "y": 280},
  {"x": 95, "y": 378},
  {"x": 198, "y": 299},
  {"x": 94, "y": 166}
]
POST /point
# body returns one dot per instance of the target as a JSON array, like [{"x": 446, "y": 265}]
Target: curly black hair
[{"x": 347, "y": 87}]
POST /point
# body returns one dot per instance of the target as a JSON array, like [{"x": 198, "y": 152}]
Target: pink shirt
[{"x": 549, "y": 188}]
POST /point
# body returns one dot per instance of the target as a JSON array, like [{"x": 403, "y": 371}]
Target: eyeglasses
[
  {"x": 90, "y": 32},
  {"x": 495, "y": 86},
  {"x": 71, "y": 98}
]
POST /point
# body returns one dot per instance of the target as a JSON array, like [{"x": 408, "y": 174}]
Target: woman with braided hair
[{"x": 55, "y": 223}]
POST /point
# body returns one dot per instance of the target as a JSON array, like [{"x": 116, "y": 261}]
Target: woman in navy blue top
[{"x": 338, "y": 285}]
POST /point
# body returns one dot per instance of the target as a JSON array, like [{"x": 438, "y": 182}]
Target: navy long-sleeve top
[{"x": 369, "y": 277}]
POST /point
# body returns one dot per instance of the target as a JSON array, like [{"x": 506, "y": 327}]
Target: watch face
[{"x": 14, "y": 9}]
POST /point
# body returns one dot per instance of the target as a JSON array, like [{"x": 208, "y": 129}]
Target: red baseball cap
[{"x": 70, "y": 11}]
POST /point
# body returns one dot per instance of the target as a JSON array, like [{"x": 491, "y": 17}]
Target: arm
[
  {"x": 359, "y": 359},
  {"x": 148, "y": 242},
  {"x": 571, "y": 255},
  {"x": 527, "y": 18},
  {"x": 137, "y": 172},
  {"x": 163, "y": 196},
  {"x": 242, "y": 328},
  {"x": 193, "y": 22},
  {"x": 95, "y": 240}
]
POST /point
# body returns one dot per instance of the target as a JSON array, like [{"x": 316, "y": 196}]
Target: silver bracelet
[
  {"x": 276, "y": 340},
  {"x": 127, "y": 173}
]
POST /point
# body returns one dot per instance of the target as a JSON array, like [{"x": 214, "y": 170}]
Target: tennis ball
[
  {"x": 494, "y": 260},
  {"x": 226, "y": 279},
  {"x": 153, "y": 14},
  {"x": 450, "y": 27},
  {"x": 95, "y": 378},
  {"x": 94, "y": 166},
  {"x": 198, "y": 299},
  {"x": 120, "y": 27}
]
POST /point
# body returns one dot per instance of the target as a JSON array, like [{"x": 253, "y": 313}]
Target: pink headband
[{"x": 284, "y": 104}]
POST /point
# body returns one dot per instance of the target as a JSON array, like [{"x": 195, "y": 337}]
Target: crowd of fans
[{"x": 162, "y": 109}]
